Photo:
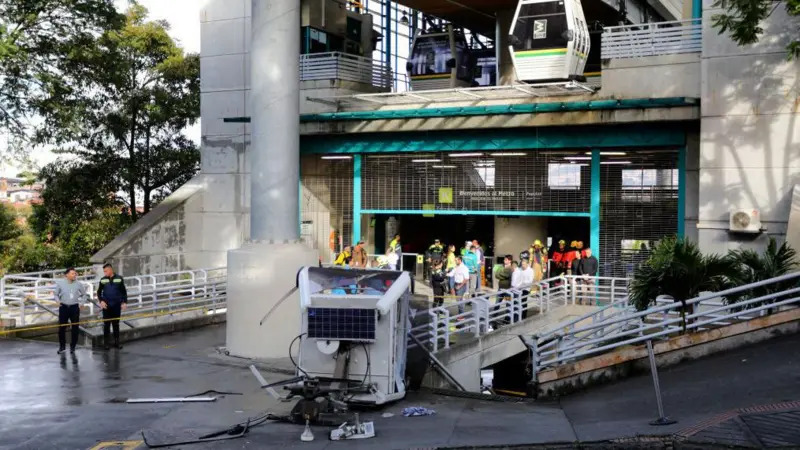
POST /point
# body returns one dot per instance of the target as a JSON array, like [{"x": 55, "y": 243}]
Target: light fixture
[
  {"x": 579, "y": 165},
  {"x": 337, "y": 157},
  {"x": 431, "y": 160},
  {"x": 404, "y": 19},
  {"x": 578, "y": 158},
  {"x": 609, "y": 153},
  {"x": 612, "y": 163},
  {"x": 464, "y": 155},
  {"x": 444, "y": 167},
  {"x": 508, "y": 154}
]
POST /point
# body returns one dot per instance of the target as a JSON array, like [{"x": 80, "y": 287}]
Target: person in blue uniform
[{"x": 113, "y": 299}]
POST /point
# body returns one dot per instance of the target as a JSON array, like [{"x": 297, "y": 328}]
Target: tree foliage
[
  {"x": 9, "y": 229},
  {"x": 38, "y": 39},
  {"x": 743, "y": 19},
  {"x": 138, "y": 92}
]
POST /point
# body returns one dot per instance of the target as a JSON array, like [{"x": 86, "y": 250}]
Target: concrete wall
[
  {"x": 652, "y": 77},
  {"x": 750, "y": 131},
  {"x": 515, "y": 234}
]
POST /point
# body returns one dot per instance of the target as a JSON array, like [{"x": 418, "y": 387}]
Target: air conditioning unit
[{"x": 745, "y": 221}]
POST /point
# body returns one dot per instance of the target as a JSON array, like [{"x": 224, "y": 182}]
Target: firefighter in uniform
[
  {"x": 559, "y": 258},
  {"x": 538, "y": 260}
]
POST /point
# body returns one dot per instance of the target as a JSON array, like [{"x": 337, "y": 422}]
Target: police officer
[
  {"x": 435, "y": 251},
  {"x": 113, "y": 299}
]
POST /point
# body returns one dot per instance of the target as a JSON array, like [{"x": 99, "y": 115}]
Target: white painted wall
[{"x": 750, "y": 131}]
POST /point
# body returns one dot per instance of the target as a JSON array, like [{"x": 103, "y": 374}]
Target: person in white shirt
[
  {"x": 392, "y": 258},
  {"x": 524, "y": 283},
  {"x": 460, "y": 274},
  {"x": 516, "y": 276}
]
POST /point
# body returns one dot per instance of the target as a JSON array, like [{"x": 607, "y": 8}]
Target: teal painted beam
[
  {"x": 456, "y": 212},
  {"x": 594, "y": 221},
  {"x": 356, "y": 198},
  {"x": 530, "y": 139},
  {"x": 526, "y": 108},
  {"x": 697, "y": 9},
  {"x": 681, "y": 191}
]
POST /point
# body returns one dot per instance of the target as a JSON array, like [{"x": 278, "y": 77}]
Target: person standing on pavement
[
  {"x": 451, "y": 264},
  {"x": 70, "y": 295},
  {"x": 588, "y": 270},
  {"x": 526, "y": 280},
  {"x": 504, "y": 276},
  {"x": 471, "y": 261},
  {"x": 478, "y": 254},
  {"x": 113, "y": 300},
  {"x": 395, "y": 244},
  {"x": 438, "y": 282},
  {"x": 460, "y": 274}
]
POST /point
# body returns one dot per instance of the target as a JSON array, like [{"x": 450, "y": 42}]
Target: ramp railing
[
  {"x": 489, "y": 312},
  {"x": 652, "y": 39},
  {"x": 30, "y": 298},
  {"x": 618, "y": 324}
]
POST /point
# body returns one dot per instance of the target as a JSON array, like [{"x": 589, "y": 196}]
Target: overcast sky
[{"x": 184, "y": 19}]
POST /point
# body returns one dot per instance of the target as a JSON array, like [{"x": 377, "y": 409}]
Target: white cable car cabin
[
  {"x": 549, "y": 40},
  {"x": 440, "y": 60}
]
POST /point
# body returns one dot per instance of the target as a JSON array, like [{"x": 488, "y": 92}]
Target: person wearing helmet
[
  {"x": 538, "y": 260},
  {"x": 560, "y": 259},
  {"x": 579, "y": 247}
]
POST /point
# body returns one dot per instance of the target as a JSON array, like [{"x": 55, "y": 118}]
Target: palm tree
[
  {"x": 677, "y": 268},
  {"x": 752, "y": 267}
]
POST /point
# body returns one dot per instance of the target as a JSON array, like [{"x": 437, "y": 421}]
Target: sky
[{"x": 184, "y": 19}]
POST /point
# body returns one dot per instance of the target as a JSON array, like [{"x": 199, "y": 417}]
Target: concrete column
[
  {"x": 275, "y": 99},
  {"x": 265, "y": 269},
  {"x": 505, "y": 66}
]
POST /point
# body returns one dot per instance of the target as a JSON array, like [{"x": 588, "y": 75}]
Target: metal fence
[
  {"x": 342, "y": 66},
  {"x": 652, "y": 39},
  {"x": 619, "y": 324},
  {"x": 29, "y": 298},
  {"x": 483, "y": 314}
]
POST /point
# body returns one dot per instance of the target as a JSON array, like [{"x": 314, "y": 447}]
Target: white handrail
[
  {"x": 577, "y": 339},
  {"x": 343, "y": 66},
  {"x": 652, "y": 39}
]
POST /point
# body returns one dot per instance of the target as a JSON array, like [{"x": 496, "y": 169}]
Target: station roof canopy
[{"x": 476, "y": 15}]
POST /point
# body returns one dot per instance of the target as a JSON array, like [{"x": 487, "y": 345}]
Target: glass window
[
  {"x": 485, "y": 170},
  {"x": 540, "y": 26},
  {"x": 564, "y": 176},
  {"x": 430, "y": 55},
  {"x": 649, "y": 178}
]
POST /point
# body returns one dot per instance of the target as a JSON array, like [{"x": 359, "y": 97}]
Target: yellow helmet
[
  {"x": 562, "y": 242},
  {"x": 573, "y": 244},
  {"x": 537, "y": 243}
]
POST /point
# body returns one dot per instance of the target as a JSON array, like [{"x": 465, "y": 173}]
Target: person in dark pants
[
  {"x": 113, "y": 299},
  {"x": 70, "y": 295},
  {"x": 438, "y": 282}
]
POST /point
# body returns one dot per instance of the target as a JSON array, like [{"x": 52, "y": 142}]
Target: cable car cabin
[
  {"x": 549, "y": 40},
  {"x": 440, "y": 60}
]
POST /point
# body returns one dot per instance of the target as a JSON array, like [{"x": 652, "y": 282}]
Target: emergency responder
[
  {"x": 395, "y": 244},
  {"x": 560, "y": 259},
  {"x": 438, "y": 282},
  {"x": 113, "y": 300},
  {"x": 360, "y": 258},
  {"x": 344, "y": 257},
  {"x": 538, "y": 260}
]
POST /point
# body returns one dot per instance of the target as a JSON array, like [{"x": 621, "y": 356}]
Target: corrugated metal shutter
[
  {"x": 638, "y": 206},
  {"x": 501, "y": 181},
  {"x": 330, "y": 182}
]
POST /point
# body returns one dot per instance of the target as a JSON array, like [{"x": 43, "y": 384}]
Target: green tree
[
  {"x": 678, "y": 269},
  {"x": 27, "y": 254},
  {"x": 139, "y": 91},
  {"x": 743, "y": 18},
  {"x": 9, "y": 229},
  {"x": 38, "y": 39}
]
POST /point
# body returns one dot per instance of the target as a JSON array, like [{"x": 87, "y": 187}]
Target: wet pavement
[{"x": 76, "y": 401}]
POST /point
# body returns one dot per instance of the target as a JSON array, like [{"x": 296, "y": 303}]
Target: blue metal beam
[
  {"x": 457, "y": 212},
  {"x": 526, "y": 108},
  {"x": 681, "y": 191},
  {"x": 521, "y": 139},
  {"x": 594, "y": 237},
  {"x": 356, "y": 198}
]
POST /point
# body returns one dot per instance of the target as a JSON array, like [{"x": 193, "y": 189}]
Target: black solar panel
[{"x": 341, "y": 324}]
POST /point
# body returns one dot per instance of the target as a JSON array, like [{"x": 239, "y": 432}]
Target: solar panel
[{"x": 344, "y": 324}]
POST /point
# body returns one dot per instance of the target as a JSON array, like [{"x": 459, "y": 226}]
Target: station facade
[{"x": 669, "y": 140}]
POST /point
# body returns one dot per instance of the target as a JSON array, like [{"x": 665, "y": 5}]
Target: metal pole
[
  {"x": 275, "y": 121},
  {"x": 662, "y": 420}
]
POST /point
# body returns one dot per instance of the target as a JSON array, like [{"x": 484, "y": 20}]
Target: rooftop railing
[
  {"x": 342, "y": 66},
  {"x": 652, "y": 39}
]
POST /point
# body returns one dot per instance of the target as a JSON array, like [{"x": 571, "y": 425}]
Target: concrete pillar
[
  {"x": 275, "y": 94},
  {"x": 505, "y": 66},
  {"x": 265, "y": 268}
]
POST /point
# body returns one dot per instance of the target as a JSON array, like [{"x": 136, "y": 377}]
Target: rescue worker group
[{"x": 461, "y": 273}]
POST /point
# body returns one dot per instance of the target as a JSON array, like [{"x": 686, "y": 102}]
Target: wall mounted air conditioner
[{"x": 745, "y": 221}]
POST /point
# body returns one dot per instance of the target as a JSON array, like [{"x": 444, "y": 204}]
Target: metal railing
[
  {"x": 30, "y": 298},
  {"x": 619, "y": 324},
  {"x": 486, "y": 313},
  {"x": 342, "y": 66},
  {"x": 652, "y": 39}
]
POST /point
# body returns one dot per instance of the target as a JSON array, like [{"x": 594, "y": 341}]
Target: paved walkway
[{"x": 64, "y": 402}]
